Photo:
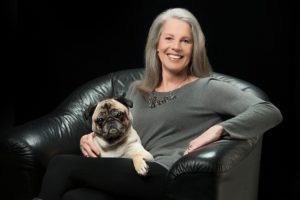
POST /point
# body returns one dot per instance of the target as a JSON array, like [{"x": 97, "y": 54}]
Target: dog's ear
[
  {"x": 89, "y": 111},
  {"x": 123, "y": 100}
]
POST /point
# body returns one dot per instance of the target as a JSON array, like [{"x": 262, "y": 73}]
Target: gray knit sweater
[{"x": 167, "y": 129}]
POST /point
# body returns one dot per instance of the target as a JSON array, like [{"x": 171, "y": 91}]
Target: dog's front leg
[{"x": 140, "y": 164}]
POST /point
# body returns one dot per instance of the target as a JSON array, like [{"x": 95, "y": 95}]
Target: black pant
[{"x": 71, "y": 177}]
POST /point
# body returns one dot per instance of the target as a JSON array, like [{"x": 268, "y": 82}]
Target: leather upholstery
[{"x": 226, "y": 169}]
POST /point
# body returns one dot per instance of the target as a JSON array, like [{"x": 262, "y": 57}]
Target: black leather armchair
[{"x": 224, "y": 170}]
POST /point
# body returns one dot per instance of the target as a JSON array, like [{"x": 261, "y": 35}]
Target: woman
[{"x": 177, "y": 109}]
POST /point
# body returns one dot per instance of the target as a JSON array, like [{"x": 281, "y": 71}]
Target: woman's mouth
[{"x": 174, "y": 57}]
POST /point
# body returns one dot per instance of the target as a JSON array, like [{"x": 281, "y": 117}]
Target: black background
[{"x": 52, "y": 47}]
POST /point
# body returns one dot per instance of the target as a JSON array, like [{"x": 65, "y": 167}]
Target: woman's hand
[
  {"x": 209, "y": 136},
  {"x": 88, "y": 147}
]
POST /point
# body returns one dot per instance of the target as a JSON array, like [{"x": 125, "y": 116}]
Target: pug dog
[{"x": 114, "y": 133}]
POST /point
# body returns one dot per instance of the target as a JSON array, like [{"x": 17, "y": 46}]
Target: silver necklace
[{"x": 154, "y": 100}]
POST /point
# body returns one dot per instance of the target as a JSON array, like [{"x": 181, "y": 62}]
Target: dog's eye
[
  {"x": 119, "y": 115},
  {"x": 100, "y": 120}
]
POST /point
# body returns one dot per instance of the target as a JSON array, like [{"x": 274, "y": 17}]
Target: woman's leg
[
  {"x": 115, "y": 176},
  {"x": 86, "y": 194}
]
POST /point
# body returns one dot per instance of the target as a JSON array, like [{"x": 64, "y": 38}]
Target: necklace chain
[{"x": 154, "y": 101}]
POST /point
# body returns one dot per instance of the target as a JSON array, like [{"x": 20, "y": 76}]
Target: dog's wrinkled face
[{"x": 111, "y": 120}]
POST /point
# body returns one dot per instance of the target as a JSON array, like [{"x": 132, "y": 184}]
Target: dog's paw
[{"x": 140, "y": 166}]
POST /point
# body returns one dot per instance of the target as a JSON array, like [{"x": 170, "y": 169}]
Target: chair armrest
[
  {"x": 26, "y": 150},
  {"x": 216, "y": 157},
  {"x": 36, "y": 142},
  {"x": 216, "y": 171}
]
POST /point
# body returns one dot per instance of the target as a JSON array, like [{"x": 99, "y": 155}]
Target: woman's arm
[
  {"x": 211, "y": 135},
  {"x": 248, "y": 115}
]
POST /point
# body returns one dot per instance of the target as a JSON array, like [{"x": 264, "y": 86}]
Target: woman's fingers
[{"x": 88, "y": 146}]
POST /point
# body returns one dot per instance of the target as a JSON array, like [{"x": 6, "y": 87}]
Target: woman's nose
[{"x": 176, "y": 46}]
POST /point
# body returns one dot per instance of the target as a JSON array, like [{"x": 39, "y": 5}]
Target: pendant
[{"x": 155, "y": 101}]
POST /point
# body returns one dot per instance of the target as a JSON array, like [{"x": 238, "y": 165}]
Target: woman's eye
[
  {"x": 168, "y": 38},
  {"x": 186, "y": 41}
]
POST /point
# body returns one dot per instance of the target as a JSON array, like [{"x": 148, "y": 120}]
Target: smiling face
[{"x": 175, "y": 46}]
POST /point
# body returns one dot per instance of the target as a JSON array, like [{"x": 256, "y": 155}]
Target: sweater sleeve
[{"x": 249, "y": 116}]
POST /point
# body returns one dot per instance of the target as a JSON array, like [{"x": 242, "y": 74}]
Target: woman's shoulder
[
  {"x": 211, "y": 83},
  {"x": 207, "y": 80},
  {"x": 212, "y": 80}
]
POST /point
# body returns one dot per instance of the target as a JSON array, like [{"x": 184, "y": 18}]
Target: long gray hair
[{"x": 199, "y": 65}]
